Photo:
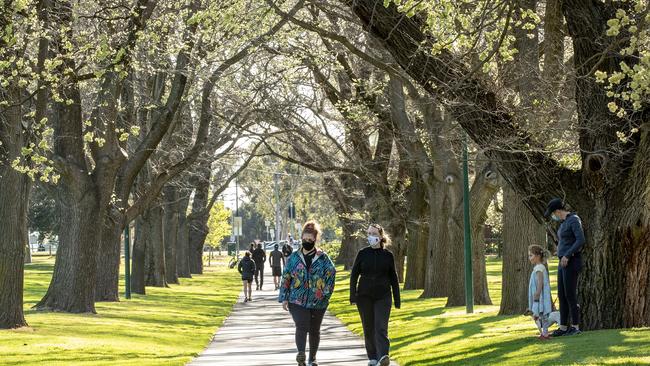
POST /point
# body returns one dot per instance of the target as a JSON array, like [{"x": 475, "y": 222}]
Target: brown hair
[
  {"x": 542, "y": 252},
  {"x": 312, "y": 227},
  {"x": 385, "y": 238},
  {"x": 247, "y": 254}
]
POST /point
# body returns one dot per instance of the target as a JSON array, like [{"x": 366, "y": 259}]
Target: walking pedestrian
[
  {"x": 287, "y": 249},
  {"x": 259, "y": 257},
  {"x": 307, "y": 285},
  {"x": 276, "y": 260},
  {"x": 571, "y": 240},
  {"x": 372, "y": 279},
  {"x": 246, "y": 268}
]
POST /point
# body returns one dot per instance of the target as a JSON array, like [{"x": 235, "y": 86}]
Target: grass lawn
[
  {"x": 424, "y": 332},
  {"x": 168, "y": 326}
]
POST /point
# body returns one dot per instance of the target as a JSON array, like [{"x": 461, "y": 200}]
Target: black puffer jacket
[
  {"x": 378, "y": 276},
  {"x": 247, "y": 268}
]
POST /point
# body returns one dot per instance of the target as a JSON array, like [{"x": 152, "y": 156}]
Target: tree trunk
[
  {"x": 350, "y": 243},
  {"x": 418, "y": 237},
  {"x": 154, "y": 262},
  {"x": 437, "y": 279},
  {"x": 72, "y": 288},
  {"x": 28, "y": 251},
  {"x": 138, "y": 257},
  {"x": 108, "y": 263},
  {"x": 182, "y": 242},
  {"x": 171, "y": 232},
  {"x": 520, "y": 229},
  {"x": 398, "y": 231},
  {"x": 14, "y": 202}
]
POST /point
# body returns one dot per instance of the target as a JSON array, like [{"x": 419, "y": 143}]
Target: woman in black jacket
[
  {"x": 372, "y": 294},
  {"x": 247, "y": 269}
]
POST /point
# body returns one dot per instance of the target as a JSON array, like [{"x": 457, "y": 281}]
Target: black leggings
[
  {"x": 374, "y": 319},
  {"x": 307, "y": 321},
  {"x": 567, "y": 288},
  {"x": 259, "y": 271}
]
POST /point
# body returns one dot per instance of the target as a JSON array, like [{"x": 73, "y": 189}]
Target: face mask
[
  {"x": 555, "y": 218},
  {"x": 308, "y": 245},
  {"x": 374, "y": 241}
]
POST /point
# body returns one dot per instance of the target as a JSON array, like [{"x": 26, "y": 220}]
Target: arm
[
  {"x": 354, "y": 278},
  {"x": 394, "y": 282},
  {"x": 285, "y": 285},
  {"x": 576, "y": 227},
  {"x": 539, "y": 280},
  {"x": 239, "y": 267},
  {"x": 330, "y": 279}
]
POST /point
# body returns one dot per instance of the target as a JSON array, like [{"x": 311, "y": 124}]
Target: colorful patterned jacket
[{"x": 312, "y": 289}]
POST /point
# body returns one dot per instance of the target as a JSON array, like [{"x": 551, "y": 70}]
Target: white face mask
[{"x": 374, "y": 241}]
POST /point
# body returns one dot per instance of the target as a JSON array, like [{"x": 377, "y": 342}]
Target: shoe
[
  {"x": 384, "y": 361},
  {"x": 544, "y": 337},
  {"x": 246, "y": 299},
  {"x": 572, "y": 331},
  {"x": 301, "y": 358},
  {"x": 372, "y": 363},
  {"x": 559, "y": 332},
  {"x": 313, "y": 363}
]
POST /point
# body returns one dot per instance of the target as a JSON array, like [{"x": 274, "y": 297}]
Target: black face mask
[{"x": 308, "y": 245}]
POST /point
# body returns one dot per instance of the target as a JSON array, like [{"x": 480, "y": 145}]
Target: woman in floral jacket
[{"x": 307, "y": 285}]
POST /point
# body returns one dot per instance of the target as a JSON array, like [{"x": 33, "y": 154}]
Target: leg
[
  {"x": 564, "y": 305},
  {"x": 366, "y": 312},
  {"x": 257, "y": 285},
  {"x": 261, "y": 269},
  {"x": 382, "y": 314},
  {"x": 250, "y": 289},
  {"x": 301, "y": 318},
  {"x": 571, "y": 290},
  {"x": 316, "y": 320},
  {"x": 543, "y": 320},
  {"x": 245, "y": 288}
]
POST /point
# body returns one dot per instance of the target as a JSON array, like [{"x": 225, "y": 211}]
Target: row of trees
[{"x": 112, "y": 102}]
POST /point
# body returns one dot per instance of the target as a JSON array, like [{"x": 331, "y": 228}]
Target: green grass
[
  {"x": 424, "y": 332},
  {"x": 168, "y": 326}
]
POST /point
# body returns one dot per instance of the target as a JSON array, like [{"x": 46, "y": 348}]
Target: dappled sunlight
[
  {"x": 424, "y": 332},
  {"x": 166, "y": 326}
]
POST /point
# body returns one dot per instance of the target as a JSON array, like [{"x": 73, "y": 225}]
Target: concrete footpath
[{"x": 261, "y": 333}]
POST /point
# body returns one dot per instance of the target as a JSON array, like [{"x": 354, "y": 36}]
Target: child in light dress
[{"x": 539, "y": 289}]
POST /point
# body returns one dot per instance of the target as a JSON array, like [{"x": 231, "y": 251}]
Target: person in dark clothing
[
  {"x": 247, "y": 269},
  {"x": 276, "y": 260},
  {"x": 287, "y": 249},
  {"x": 259, "y": 256},
  {"x": 372, "y": 279},
  {"x": 571, "y": 239}
]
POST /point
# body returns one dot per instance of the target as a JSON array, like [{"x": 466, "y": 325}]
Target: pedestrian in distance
[
  {"x": 372, "y": 281},
  {"x": 259, "y": 257},
  {"x": 287, "y": 248},
  {"x": 247, "y": 268},
  {"x": 307, "y": 285},
  {"x": 276, "y": 261}
]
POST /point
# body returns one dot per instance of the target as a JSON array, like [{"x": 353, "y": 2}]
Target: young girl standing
[{"x": 539, "y": 289}]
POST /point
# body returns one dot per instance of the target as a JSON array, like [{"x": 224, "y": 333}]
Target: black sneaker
[
  {"x": 559, "y": 332},
  {"x": 384, "y": 361},
  {"x": 572, "y": 331},
  {"x": 301, "y": 358}
]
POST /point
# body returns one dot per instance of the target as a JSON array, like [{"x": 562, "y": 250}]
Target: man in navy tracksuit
[{"x": 571, "y": 238}]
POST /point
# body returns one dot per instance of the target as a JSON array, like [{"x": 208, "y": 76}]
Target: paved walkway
[{"x": 261, "y": 333}]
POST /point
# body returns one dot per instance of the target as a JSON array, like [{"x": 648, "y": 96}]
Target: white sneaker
[
  {"x": 384, "y": 361},
  {"x": 372, "y": 363}
]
